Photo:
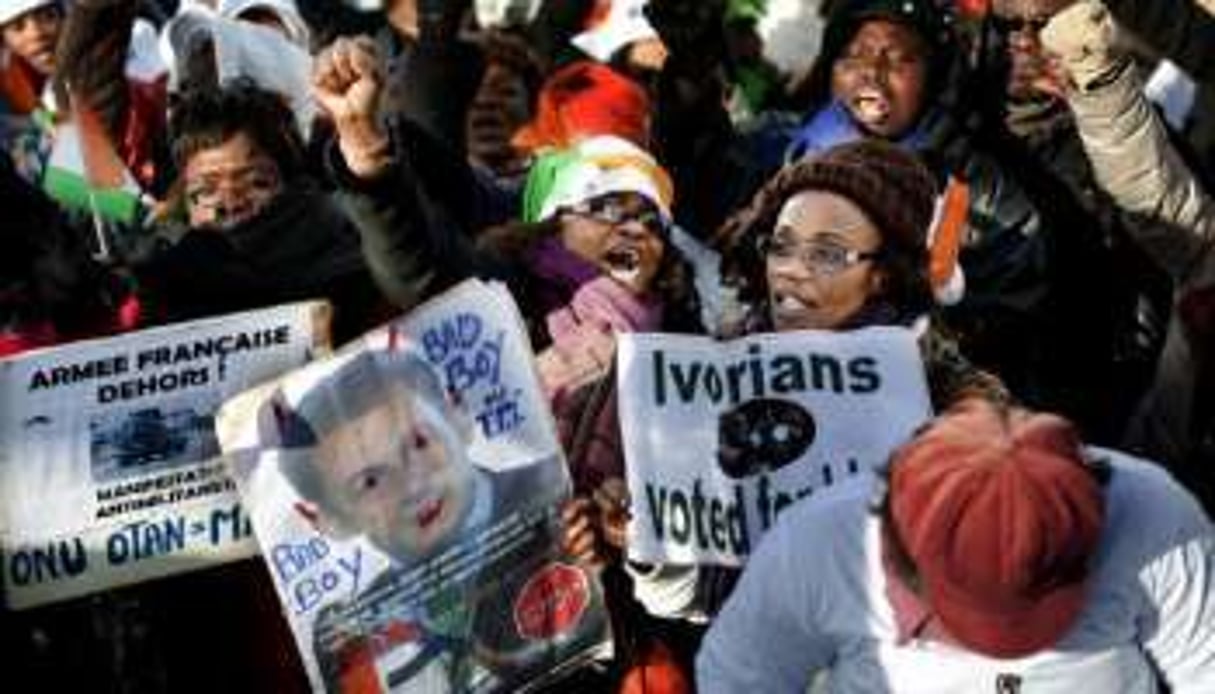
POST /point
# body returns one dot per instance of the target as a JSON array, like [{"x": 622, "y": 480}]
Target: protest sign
[
  {"x": 721, "y": 436},
  {"x": 406, "y": 496},
  {"x": 109, "y": 465}
]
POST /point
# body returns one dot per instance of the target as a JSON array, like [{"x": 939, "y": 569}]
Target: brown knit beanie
[{"x": 890, "y": 184}]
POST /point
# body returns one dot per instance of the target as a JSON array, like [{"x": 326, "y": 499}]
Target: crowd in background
[{"x": 1024, "y": 183}]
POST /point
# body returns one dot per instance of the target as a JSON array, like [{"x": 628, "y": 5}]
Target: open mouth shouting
[
  {"x": 623, "y": 263},
  {"x": 871, "y": 107},
  {"x": 791, "y": 311}
]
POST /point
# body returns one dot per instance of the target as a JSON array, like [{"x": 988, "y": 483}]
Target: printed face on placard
[{"x": 399, "y": 474}]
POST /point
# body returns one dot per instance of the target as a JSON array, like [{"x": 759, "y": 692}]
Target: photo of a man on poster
[{"x": 384, "y": 453}]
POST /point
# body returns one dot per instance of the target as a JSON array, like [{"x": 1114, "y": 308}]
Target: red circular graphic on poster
[{"x": 551, "y": 602}]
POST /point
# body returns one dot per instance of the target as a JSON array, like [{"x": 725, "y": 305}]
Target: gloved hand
[{"x": 1084, "y": 38}]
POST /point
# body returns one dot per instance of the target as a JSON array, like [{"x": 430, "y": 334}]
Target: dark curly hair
[
  {"x": 907, "y": 288},
  {"x": 206, "y": 117}
]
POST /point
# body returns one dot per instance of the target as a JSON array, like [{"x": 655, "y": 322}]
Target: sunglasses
[{"x": 1007, "y": 26}]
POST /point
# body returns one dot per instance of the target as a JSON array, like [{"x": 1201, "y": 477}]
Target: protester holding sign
[
  {"x": 257, "y": 232},
  {"x": 838, "y": 242},
  {"x": 1001, "y": 556},
  {"x": 835, "y": 242},
  {"x": 595, "y": 259}
]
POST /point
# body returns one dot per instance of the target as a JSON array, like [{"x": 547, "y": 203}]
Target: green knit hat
[{"x": 594, "y": 167}]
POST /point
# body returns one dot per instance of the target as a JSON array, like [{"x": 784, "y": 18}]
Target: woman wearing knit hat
[
  {"x": 891, "y": 70},
  {"x": 999, "y": 555},
  {"x": 599, "y": 216},
  {"x": 838, "y": 241},
  {"x": 835, "y": 242},
  {"x": 592, "y": 255}
]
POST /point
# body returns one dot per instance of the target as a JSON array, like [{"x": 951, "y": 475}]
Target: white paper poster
[
  {"x": 406, "y": 494},
  {"x": 110, "y": 470},
  {"x": 721, "y": 436}
]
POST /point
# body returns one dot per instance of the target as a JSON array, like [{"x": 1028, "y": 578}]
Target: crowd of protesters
[{"x": 1023, "y": 183}]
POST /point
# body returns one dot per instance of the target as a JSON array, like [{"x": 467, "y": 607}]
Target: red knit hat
[
  {"x": 1000, "y": 516},
  {"x": 584, "y": 99}
]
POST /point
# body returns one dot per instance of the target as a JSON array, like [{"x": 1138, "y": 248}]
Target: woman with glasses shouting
[{"x": 839, "y": 241}]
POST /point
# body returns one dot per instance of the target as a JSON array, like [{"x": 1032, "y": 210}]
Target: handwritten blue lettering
[
  {"x": 457, "y": 334},
  {"x": 500, "y": 413},
  {"x": 290, "y": 560},
  {"x": 354, "y": 567},
  {"x": 468, "y": 355},
  {"x": 310, "y": 571}
]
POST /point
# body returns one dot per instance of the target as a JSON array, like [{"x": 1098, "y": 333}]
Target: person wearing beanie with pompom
[{"x": 995, "y": 554}]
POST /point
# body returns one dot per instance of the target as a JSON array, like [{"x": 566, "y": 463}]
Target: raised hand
[
  {"x": 1085, "y": 41},
  {"x": 347, "y": 81}
]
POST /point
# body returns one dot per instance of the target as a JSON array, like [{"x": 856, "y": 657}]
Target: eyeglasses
[
  {"x": 214, "y": 191},
  {"x": 818, "y": 258},
  {"x": 611, "y": 210},
  {"x": 1016, "y": 25}
]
